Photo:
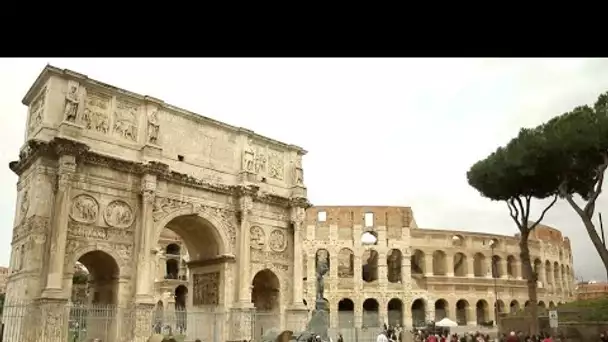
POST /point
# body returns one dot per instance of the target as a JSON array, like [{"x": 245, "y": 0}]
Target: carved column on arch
[
  {"x": 67, "y": 152},
  {"x": 242, "y": 314},
  {"x": 145, "y": 279},
  {"x": 297, "y": 311},
  {"x": 244, "y": 257}
]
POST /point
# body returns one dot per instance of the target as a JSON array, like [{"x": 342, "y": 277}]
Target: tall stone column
[
  {"x": 470, "y": 266},
  {"x": 242, "y": 314},
  {"x": 297, "y": 313},
  {"x": 244, "y": 292},
  {"x": 449, "y": 262},
  {"x": 145, "y": 276},
  {"x": 503, "y": 268},
  {"x": 428, "y": 264},
  {"x": 382, "y": 269},
  {"x": 542, "y": 276},
  {"x": 67, "y": 152}
]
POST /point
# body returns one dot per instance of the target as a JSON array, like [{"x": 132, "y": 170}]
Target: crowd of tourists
[{"x": 390, "y": 334}]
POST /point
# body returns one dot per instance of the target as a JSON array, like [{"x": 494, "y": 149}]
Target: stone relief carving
[
  {"x": 277, "y": 240},
  {"x": 84, "y": 209},
  {"x": 298, "y": 172},
  {"x": 72, "y": 101},
  {"x": 279, "y": 259},
  {"x": 36, "y": 110},
  {"x": 153, "y": 127},
  {"x": 25, "y": 204},
  {"x": 34, "y": 225},
  {"x": 125, "y": 120},
  {"x": 206, "y": 288},
  {"x": 118, "y": 214},
  {"x": 164, "y": 206},
  {"x": 276, "y": 166},
  {"x": 260, "y": 160},
  {"x": 96, "y": 117},
  {"x": 249, "y": 157},
  {"x": 257, "y": 237}
]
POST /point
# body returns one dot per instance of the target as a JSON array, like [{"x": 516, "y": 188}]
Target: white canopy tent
[{"x": 446, "y": 323}]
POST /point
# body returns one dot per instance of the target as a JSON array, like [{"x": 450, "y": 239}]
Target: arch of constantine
[
  {"x": 187, "y": 223},
  {"x": 105, "y": 171}
]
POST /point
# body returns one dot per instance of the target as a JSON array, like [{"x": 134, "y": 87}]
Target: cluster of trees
[{"x": 564, "y": 158}]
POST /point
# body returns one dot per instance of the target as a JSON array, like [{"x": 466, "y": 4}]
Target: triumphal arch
[{"x": 104, "y": 170}]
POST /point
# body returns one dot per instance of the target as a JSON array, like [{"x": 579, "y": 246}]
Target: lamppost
[{"x": 495, "y": 276}]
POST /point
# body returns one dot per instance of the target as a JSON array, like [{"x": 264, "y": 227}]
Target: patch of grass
[{"x": 584, "y": 310}]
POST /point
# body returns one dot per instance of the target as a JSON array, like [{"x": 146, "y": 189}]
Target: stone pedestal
[
  {"x": 142, "y": 329},
  {"x": 52, "y": 316},
  {"x": 241, "y": 324},
  {"x": 297, "y": 318},
  {"x": 70, "y": 130},
  {"x": 319, "y": 324},
  {"x": 247, "y": 177}
]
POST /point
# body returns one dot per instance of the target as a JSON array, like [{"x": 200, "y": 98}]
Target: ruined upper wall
[
  {"x": 135, "y": 127},
  {"x": 347, "y": 216}
]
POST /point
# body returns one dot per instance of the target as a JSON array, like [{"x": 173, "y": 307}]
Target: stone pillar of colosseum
[
  {"x": 517, "y": 270},
  {"x": 470, "y": 266},
  {"x": 382, "y": 268},
  {"x": 542, "y": 275},
  {"x": 428, "y": 264},
  {"x": 502, "y": 267},
  {"x": 358, "y": 311},
  {"x": 449, "y": 263},
  {"x": 430, "y": 310}
]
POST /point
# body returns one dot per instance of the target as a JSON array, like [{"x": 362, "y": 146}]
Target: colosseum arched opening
[
  {"x": 460, "y": 265},
  {"x": 439, "y": 263},
  {"x": 159, "y": 315},
  {"x": 548, "y": 273},
  {"x": 514, "y": 306},
  {"x": 512, "y": 267},
  {"x": 462, "y": 312},
  {"x": 346, "y": 313},
  {"x": 441, "y": 309},
  {"x": 395, "y": 312},
  {"x": 418, "y": 313},
  {"x": 346, "y": 263},
  {"x": 393, "y": 262},
  {"x": 181, "y": 298},
  {"x": 417, "y": 262},
  {"x": 542, "y": 307},
  {"x": 551, "y": 305},
  {"x": 497, "y": 270},
  {"x": 369, "y": 270},
  {"x": 173, "y": 257},
  {"x": 479, "y": 265},
  {"x": 482, "y": 310},
  {"x": 371, "y": 313}
]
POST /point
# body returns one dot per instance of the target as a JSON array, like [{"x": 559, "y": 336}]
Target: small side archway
[
  {"x": 371, "y": 313},
  {"x": 418, "y": 313},
  {"x": 395, "y": 312}
]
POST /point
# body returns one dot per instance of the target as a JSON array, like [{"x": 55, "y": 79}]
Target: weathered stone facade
[
  {"x": 104, "y": 171},
  {"x": 414, "y": 274}
]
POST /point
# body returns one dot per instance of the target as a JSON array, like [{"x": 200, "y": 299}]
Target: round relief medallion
[
  {"x": 257, "y": 237},
  {"x": 277, "y": 240},
  {"x": 84, "y": 209},
  {"x": 118, "y": 214}
]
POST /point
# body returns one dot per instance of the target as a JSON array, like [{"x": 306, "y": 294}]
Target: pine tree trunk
[
  {"x": 596, "y": 240},
  {"x": 532, "y": 278}
]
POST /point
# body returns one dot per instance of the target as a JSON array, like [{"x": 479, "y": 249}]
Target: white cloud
[{"x": 379, "y": 131}]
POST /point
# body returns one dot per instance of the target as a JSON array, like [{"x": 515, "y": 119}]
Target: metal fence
[
  {"x": 24, "y": 322},
  {"x": 72, "y": 323}
]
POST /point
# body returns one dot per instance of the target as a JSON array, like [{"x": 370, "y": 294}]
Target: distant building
[
  {"x": 591, "y": 290},
  {"x": 3, "y": 278}
]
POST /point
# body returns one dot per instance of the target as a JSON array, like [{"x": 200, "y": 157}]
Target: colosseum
[{"x": 389, "y": 270}]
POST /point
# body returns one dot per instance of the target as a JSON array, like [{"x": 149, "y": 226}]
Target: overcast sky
[{"x": 379, "y": 131}]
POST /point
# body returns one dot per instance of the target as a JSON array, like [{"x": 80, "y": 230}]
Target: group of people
[{"x": 390, "y": 334}]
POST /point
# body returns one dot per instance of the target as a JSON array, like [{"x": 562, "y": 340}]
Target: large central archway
[{"x": 189, "y": 273}]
